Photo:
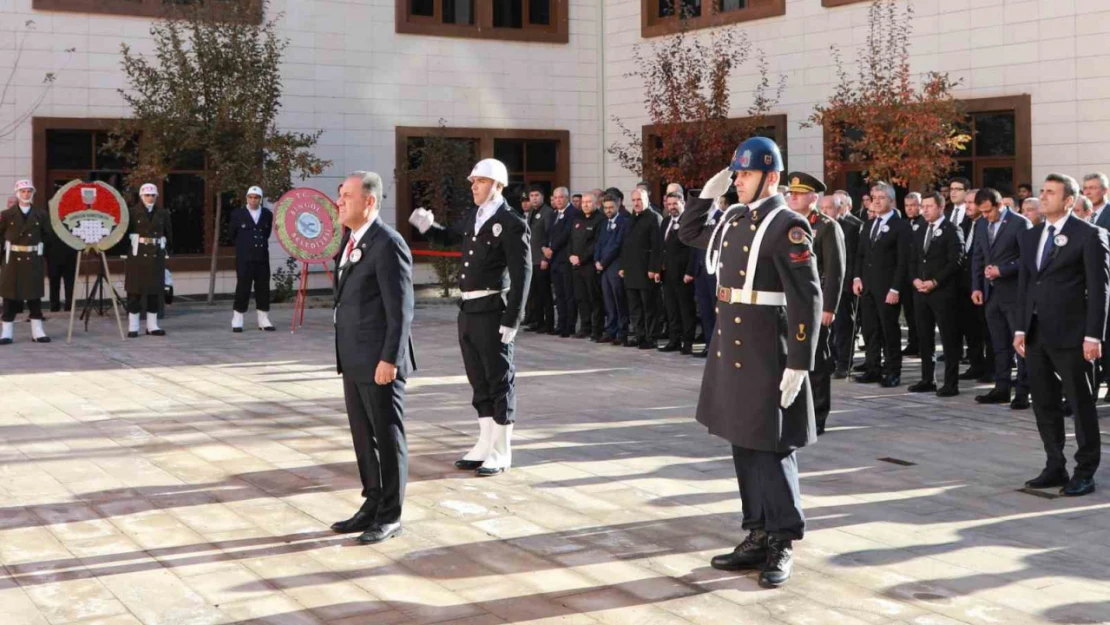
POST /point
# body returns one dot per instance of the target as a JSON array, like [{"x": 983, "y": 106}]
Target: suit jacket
[
  {"x": 610, "y": 241},
  {"x": 1103, "y": 220},
  {"x": 539, "y": 221},
  {"x": 639, "y": 247},
  {"x": 583, "y": 237},
  {"x": 1068, "y": 294},
  {"x": 373, "y": 305},
  {"x": 883, "y": 264},
  {"x": 1004, "y": 253},
  {"x": 851, "y": 226},
  {"x": 971, "y": 230},
  {"x": 943, "y": 260},
  {"x": 671, "y": 256},
  {"x": 828, "y": 247},
  {"x": 558, "y": 235}
]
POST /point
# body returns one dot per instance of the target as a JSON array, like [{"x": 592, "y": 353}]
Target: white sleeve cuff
[
  {"x": 895, "y": 291},
  {"x": 1018, "y": 333},
  {"x": 1092, "y": 339}
]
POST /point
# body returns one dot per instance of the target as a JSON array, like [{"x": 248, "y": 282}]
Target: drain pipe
[{"x": 602, "y": 115}]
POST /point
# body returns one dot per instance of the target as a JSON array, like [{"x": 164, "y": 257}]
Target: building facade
[{"x": 538, "y": 83}]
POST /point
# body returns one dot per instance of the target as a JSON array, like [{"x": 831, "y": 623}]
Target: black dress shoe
[
  {"x": 971, "y": 374},
  {"x": 379, "y": 532},
  {"x": 268, "y": 329},
  {"x": 702, "y": 353},
  {"x": 922, "y": 387},
  {"x": 867, "y": 378},
  {"x": 1079, "y": 486},
  {"x": 468, "y": 465},
  {"x": 237, "y": 330},
  {"x": 687, "y": 349},
  {"x": 360, "y": 522},
  {"x": 948, "y": 391},
  {"x": 840, "y": 374},
  {"x": 5, "y": 341},
  {"x": 670, "y": 347},
  {"x": 132, "y": 335},
  {"x": 1049, "y": 479},
  {"x": 647, "y": 345},
  {"x": 779, "y": 564},
  {"x": 156, "y": 332},
  {"x": 42, "y": 339},
  {"x": 619, "y": 342},
  {"x": 1021, "y": 402},
  {"x": 582, "y": 335},
  {"x": 891, "y": 381},
  {"x": 996, "y": 396},
  {"x": 605, "y": 339},
  {"x": 859, "y": 368},
  {"x": 749, "y": 554},
  {"x": 911, "y": 351},
  {"x": 553, "y": 332},
  {"x": 821, "y": 426}
]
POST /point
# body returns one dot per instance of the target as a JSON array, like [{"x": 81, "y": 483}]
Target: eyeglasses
[{"x": 956, "y": 189}]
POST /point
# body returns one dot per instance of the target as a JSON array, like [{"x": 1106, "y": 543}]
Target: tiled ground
[{"x": 191, "y": 481}]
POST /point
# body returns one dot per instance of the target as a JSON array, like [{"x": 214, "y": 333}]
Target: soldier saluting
[
  {"x": 151, "y": 235},
  {"x": 754, "y": 393},
  {"x": 23, "y": 230}
]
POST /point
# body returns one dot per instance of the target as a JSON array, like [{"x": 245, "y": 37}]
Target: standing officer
[
  {"x": 936, "y": 256},
  {"x": 24, "y": 231},
  {"x": 839, "y": 207},
  {"x": 1064, "y": 278},
  {"x": 637, "y": 271},
  {"x": 881, "y": 266},
  {"x": 607, "y": 262},
  {"x": 828, "y": 248},
  {"x": 250, "y": 231},
  {"x": 151, "y": 234},
  {"x": 754, "y": 392},
  {"x": 994, "y": 274},
  {"x": 496, "y": 273},
  {"x": 541, "y": 310},
  {"x": 557, "y": 252},
  {"x": 674, "y": 266},
  {"x": 587, "y": 283}
]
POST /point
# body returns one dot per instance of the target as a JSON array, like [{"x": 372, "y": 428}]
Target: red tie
[{"x": 350, "y": 247}]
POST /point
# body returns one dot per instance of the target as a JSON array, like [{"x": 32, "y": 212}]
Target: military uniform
[
  {"x": 768, "y": 311},
  {"x": 21, "y": 279},
  {"x": 151, "y": 235},
  {"x": 251, "y": 235}
]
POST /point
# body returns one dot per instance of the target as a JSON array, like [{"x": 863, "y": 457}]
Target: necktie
[
  {"x": 993, "y": 232},
  {"x": 350, "y": 248},
  {"x": 970, "y": 236},
  {"x": 928, "y": 236},
  {"x": 875, "y": 229},
  {"x": 1049, "y": 243}
]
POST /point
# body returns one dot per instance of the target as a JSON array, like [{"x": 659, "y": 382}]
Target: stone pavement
[{"x": 191, "y": 480}]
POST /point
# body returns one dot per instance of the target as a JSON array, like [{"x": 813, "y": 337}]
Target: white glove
[
  {"x": 423, "y": 219},
  {"x": 717, "y": 185},
  {"x": 507, "y": 334},
  {"x": 791, "y": 383}
]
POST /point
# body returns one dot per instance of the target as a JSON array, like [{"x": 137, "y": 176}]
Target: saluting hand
[{"x": 386, "y": 373}]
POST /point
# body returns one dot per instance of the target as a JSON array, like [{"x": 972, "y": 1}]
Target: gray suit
[{"x": 1001, "y": 294}]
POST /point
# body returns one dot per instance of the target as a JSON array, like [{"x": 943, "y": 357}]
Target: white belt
[
  {"x": 755, "y": 298},
  {"x": 20, "y": 249},
  {"x": 469, "y": 295}
]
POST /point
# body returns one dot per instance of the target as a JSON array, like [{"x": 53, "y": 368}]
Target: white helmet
[
  {"x": 491, "y": 168},
  {"x": 23, "y": 184},
  {"x": 254, "y": 191},
  {"x": 148, "y": 189}
]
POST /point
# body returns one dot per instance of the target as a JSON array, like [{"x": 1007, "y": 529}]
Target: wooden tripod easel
[
  {"x": 111, "y": 290},
  {"x": 300, "y": 300}
]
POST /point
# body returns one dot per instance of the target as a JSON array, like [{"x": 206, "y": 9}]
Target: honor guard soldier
[
  {"x": 23, "y": 230},
  {"x": 829, "y": 249},
  {"x": 151, "y": 235},
  {"x": 755, "y": 391},
  {"x": 497, "y": 268},
  {"x": 250, "y": 230}
]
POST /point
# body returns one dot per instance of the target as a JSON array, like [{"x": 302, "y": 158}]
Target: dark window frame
[
  {"x": 134, "y": 8},
  {"x": 556, "y": 31},
  {"x": 840, "y": 3},
  {"x": 653, "y": 26}
]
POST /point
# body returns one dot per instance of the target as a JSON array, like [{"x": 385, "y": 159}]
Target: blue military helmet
[{"x": 757, "y": 154}]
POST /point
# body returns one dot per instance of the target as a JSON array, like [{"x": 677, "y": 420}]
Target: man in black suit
[
  {"x": 638, "y": 272},
  {"x": 373, "y": 320},
  {"x": 1095, "y": 189},
  {"x": 1064, "y": 278},
  {"x": 912, "y": 205},
  {"x": 587, "y": 283},
  {"x": 540, "y": 315},
  {"x": 251, "y": 226},
  {"x": 674, "y": 266},
  {"x": 838, "y": 206},
  {"x": 881, "y": 266},
  {"x": 496, "y": 274},
  {"x": 557, "y": 253},
  {"x": 994, "y": 276},
  {"x": 935, "y": 259},
  {"x": 972, "y": 319}
]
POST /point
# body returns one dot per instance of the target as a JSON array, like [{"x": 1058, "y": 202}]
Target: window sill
[{"x": 657, "y": 27}]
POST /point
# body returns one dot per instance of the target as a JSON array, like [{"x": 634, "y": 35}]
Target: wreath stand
[
  {"x": 101, "y": 281},
  {"x": 300, "y": 300}
]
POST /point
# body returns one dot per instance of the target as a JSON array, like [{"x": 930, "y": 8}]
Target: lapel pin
[
  {"x": 356, "y": 255},
  {"x": 496, "y": 230},
  {"x": 1061, "y": 240}
]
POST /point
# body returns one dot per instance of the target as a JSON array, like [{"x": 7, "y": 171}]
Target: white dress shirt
[
  {"x": 256, "y": 214},
  {"x": 25, "y": 209},
  {"x": 485, "y": 211},
  {"x": 959, "y": 211}
]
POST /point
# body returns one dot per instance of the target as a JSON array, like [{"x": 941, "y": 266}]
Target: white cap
[
  {"x": 491, "y": 168},
  {"x": 148, "y": 189},
  {"x": 23, "y": 184},
  {"x": 254, "y": 191}
]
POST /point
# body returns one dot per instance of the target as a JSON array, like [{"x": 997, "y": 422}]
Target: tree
[
  {"x": 437, "y": 171},
  {"x": 687, "y": 85},
  {"x": 901, "y": 132},
  {"x": 213, "y": 88},
  {"x": 8, "y": 128}
]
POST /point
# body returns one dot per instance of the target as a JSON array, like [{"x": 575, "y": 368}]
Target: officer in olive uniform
[
  {"x": 24, "y": 231},
  {"x": 251, "y": 226},
  {"x": 151, "y": 234},
  {"x": 495, "y": 277},
  {"x": 830, "y": 251},
  {"x": 755, "y": 390}
]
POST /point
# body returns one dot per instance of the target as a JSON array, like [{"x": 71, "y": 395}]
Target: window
[
  {"x": 64, "y": 149},
  {"x": 840, "y": 3},
  {"x": 519, "y": 20},
  {"x": 144, "y": 8},
  {"x": 531, "y": 156},
  {"x": 664, "y": 17}
]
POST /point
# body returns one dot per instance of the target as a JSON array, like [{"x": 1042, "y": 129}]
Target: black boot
[
  {"x": 749, "y": 554},
  {"x": 779, "y": 564},
  {"x": 821, "y": 425}
]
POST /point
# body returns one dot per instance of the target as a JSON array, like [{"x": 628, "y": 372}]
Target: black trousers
[
  {"x": 882, "y": 332},
  {"x": 706, "y": 297},
  {"x": 1053, "y": 370},
  {"x": 591, "y": 305},
  {"x": 820, "y": 379},
  {"x": 541, "y": 305},
  {"x": 769, "y": 492},
  {"x": 844, "y": 331},
  {"x": 489, "y": 365},
  {"x": 678, "y": 301},
  {"x": 13, "y": 307},
  {"x": 135, "y": 303},
  {"x": 938, "y": 310},
  {"x": 565, "y": 305},
  {"x": 909, "y": 305},
  {"x": 256, "y": 275},
  {"x": 641, "y": 314},
  {"x": 376, "y": 414},
  {"x": 973, "y": 331},
  {"x": 59, "y": 274},
  {"x": 1003, "y": 321}
]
